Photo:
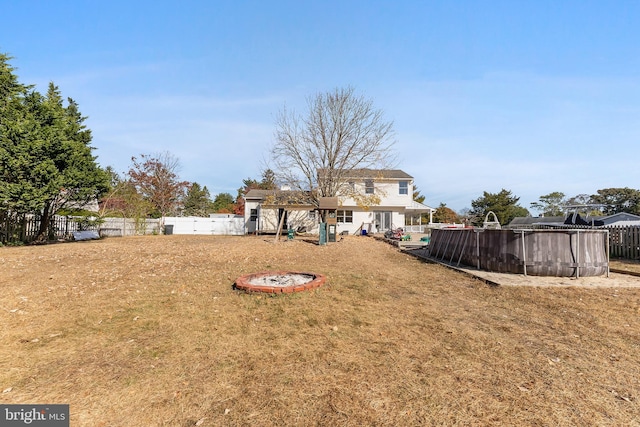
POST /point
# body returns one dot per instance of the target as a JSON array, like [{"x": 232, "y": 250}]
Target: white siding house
[{"x": 392, "y": 188}]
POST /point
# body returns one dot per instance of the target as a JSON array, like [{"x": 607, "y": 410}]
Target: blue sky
[{"x": 530, "y": 96}]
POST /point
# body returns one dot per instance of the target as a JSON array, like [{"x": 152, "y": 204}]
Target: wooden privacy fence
[
  {"x": 24, "y": 228},
  {"x": 624, "y": 242}
]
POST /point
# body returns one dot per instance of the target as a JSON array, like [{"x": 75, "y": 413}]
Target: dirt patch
[
  {"x": 148, "y": 331},
  {"x": 614, "y": 280}
]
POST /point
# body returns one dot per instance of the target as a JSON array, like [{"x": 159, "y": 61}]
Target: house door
[{"x": 382, "y": 220}]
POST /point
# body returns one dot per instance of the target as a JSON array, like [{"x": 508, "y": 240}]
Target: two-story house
[{"x": 372, "y": 200}]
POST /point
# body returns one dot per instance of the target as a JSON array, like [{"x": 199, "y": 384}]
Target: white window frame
[
  {"x": 404, "y": 189},
  {"x": 343, "y": 215},
  {"x": 369, "y": 187}
]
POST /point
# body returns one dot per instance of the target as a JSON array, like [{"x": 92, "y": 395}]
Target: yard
[{"x": 147, "y": 331}]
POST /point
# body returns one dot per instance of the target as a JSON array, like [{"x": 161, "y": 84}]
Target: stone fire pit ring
[{"x": 276, "y": 282}]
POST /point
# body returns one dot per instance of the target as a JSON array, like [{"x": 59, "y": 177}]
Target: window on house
[
  {"x": 254, "y": 215},
  {"x": 368, "y": 186},
  {"x": 345, "y": 216},
  {"x": 404, "y": 187}
]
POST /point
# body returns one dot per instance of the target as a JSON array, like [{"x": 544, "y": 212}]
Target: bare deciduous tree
[{"x": 341, "y": 132}]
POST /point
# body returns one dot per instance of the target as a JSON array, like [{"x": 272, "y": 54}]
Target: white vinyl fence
[{"x": 221, "y": 226}]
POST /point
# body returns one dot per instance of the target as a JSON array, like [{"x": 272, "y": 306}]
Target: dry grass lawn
[
  {"x": 631, "y": 266},
  {"x": 147, "y": 331}
]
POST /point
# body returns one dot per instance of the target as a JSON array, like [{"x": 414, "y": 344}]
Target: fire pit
[{"x": 279, "y": 282}]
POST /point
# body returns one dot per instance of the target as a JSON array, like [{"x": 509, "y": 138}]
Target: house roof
[
  {"x": 419, "y": 207},
  {"x": 621, "y": 216},
  {"x": 373, "y": 174}
]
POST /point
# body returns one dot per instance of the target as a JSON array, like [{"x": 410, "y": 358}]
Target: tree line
[
  {"x": 152, "y": 188},
  {"x": 506, "y": 205}
]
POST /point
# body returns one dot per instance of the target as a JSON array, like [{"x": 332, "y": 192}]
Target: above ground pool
[{"x": 558, "y": 252}]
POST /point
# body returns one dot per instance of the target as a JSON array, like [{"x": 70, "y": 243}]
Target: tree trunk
[
  {"x": 42, "y": 237},
  {"x": 280, "y": 225}
]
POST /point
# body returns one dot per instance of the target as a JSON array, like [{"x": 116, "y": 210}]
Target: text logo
[{"x": 34, "y": 415}]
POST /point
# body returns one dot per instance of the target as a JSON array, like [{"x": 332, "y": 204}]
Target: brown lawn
[
  {"x": 631, "y": 266},
  {"x": 147, "y": 331}
]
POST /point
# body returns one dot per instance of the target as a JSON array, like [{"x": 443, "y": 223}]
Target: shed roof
[
  {"x": 282, "y": 198},
  {"x": 256, "y": 194}
]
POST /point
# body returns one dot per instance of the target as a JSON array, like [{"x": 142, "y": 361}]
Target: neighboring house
[
  {"x": 89, "y": 206},
  {"x": 264, "y": 209},
  {"x": 621, "y": 218}
]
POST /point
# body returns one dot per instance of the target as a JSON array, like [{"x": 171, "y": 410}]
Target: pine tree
[
  {"x": 198, "y": 201},
  {"x": 46, "y": 162}
]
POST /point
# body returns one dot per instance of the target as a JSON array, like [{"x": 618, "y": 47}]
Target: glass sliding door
[{"x": 382, "y": 220}]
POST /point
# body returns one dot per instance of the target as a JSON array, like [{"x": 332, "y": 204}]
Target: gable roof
[{"x": 365, "y": 173}]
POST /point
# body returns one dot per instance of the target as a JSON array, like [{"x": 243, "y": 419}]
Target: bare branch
[{"x": 341, "y": 132}]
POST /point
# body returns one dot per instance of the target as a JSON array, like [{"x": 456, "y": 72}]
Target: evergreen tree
[
  {"x": 198, "y": 201},
  {"x": 46, "y": 162},
  {"x": 503, "y": 204},
  {"x": 223, "y": 203},
  {"x": 416, "y": 195},
  {"x": 17, "y": 128}
]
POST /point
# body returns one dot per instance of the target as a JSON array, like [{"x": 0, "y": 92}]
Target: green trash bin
[{"x": 291, "y": 233}]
